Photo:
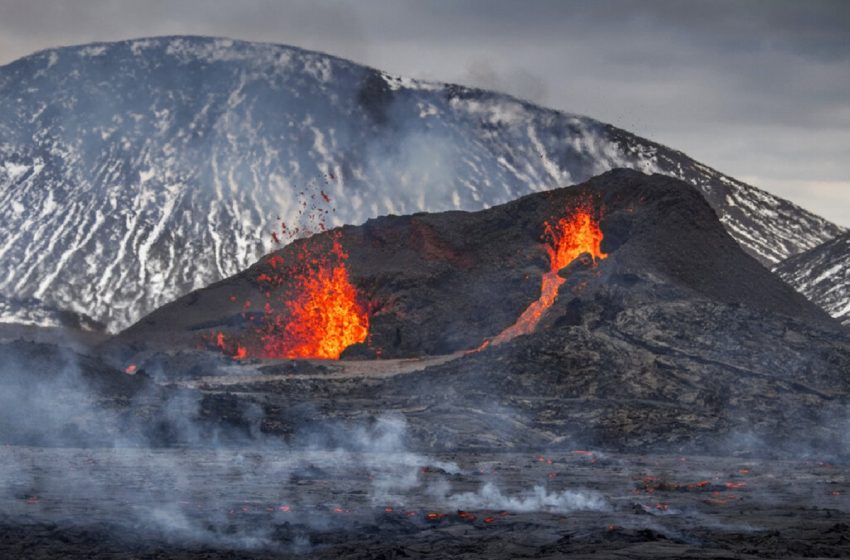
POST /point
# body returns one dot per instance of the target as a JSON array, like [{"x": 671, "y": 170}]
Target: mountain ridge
[{"x": 144, "y": 154}]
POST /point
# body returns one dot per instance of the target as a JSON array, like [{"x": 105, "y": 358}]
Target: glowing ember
[
  {"x": 229, "y": 346},
  {"x": 566, "y": 240},
  {"x": 466, "y": 516},
  {"x": 131, "y": 369},
  {"x": 324, "y": 317}
]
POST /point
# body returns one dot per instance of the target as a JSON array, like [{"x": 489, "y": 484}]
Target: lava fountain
[
  {"x": 311, "y": 308},
  {"x": 566, "y": 240},
  {"x": 324, "y": 317}
]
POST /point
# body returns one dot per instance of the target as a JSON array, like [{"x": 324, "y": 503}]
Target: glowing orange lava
[
  {"x": 566, "y": 240},
  {"x": 229, "y": 346},
  {"x": 310, "y": 308},
  {"x": 324, "y": 317}
]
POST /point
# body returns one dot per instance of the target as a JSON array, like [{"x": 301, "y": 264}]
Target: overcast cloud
[{"x": 757, "y": 89}]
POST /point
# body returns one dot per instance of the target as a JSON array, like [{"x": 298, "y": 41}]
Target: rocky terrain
[
  {"x": 822, "y": 274},
  {"x": 132, "y": 173},
  {"x": 677, "y": 340},
  {"x": 577, "y": 503}
]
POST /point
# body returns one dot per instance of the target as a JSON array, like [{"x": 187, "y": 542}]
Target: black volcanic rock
[
  {"x": 822, "y": 274},
  {"x": 685, "y": 376}
]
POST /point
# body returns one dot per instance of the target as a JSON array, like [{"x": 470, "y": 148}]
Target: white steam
[{"x": 538, "y": 499}]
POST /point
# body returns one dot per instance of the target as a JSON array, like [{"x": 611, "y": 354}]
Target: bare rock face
[{"x": 677, "y": 339}]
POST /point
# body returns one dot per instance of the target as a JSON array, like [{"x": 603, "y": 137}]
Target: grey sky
[{"x": 757, "y": 89}]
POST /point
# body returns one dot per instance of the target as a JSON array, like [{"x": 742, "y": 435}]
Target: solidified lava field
[{"x": 180, "y": 503}]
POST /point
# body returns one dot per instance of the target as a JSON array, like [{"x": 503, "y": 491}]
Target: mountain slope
[
  {"x": 134, "y": 172},
  {"x": 822, "y": 274}
]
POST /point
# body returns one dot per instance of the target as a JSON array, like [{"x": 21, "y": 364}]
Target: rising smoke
[{"x": 101, "y": 456}]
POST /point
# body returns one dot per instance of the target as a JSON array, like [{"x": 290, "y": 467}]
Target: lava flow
[
  {"x": 324, "y": 317},
  {"x": 566, "y": 240}
]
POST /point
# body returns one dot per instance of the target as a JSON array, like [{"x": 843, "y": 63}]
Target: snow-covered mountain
[
  {"x": 822, "y": 274},
  {"x": 136, "y": 171}
]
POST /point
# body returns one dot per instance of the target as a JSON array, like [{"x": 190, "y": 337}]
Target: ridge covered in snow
[
  {"x": 822, "y": 274},
  {"x": 134, "y": 172}
]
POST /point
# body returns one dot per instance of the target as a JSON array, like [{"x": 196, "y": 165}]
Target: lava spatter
[
  {"x": 311, "y": 308},
  {"x": 323, "y": 317}
]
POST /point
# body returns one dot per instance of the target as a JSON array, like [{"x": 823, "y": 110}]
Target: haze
[{"x": 757, "y": 89}]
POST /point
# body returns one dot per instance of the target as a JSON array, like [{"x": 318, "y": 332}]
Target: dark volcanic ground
[
  {"x": 158, "y": 504},
  {"x": 714, "y": 398}
]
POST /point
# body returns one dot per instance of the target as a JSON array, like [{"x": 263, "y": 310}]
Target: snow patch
[
  {"x": 97, "y": 50},
  {"x": 15, "y": 170}
]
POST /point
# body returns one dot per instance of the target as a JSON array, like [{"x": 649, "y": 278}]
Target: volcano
[
  {"x": 659, "y": 330},
  {"x": 597, "y": 370},
  {"x": 134, "y": 172}
]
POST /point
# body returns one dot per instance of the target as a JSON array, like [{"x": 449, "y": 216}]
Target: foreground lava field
[{"x": 261, "y": 504}]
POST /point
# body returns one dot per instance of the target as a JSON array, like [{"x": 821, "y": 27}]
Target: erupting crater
[
  {"x": 324, "y": 318},
  {"x": 316, "y": 315},
  {"x": 566, "y": 239}
]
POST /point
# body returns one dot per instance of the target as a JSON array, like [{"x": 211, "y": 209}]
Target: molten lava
[
  {"x": 229, "y": 346},
  {"x": 566, "y": 240},
  {"x": 323, "y": 318},
  {"x": 311, "y": 308}
]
